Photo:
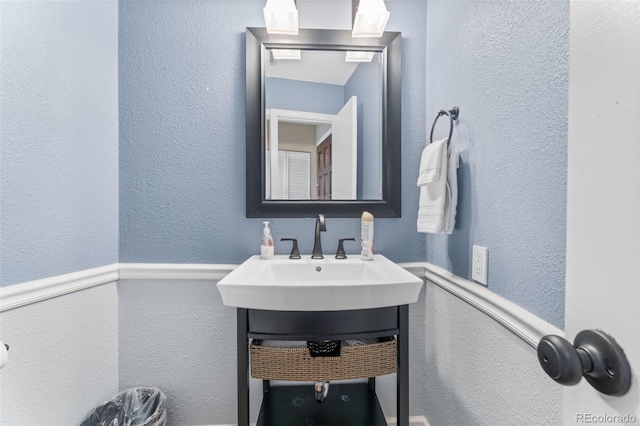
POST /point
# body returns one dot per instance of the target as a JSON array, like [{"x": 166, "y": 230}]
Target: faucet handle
[
  {"x": 341, "y": 254},
  {"x": 295, "y": 253}
]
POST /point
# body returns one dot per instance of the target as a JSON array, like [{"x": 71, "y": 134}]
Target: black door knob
[
  {"x": 560, "y": 360},
  {"x": 594, "y": 355}
]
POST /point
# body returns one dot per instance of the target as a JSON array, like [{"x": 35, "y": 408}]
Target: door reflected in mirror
[{"x": 324, "y": 119}]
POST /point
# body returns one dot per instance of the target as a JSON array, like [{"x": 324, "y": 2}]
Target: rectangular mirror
[{"x": 323, "y": 124}]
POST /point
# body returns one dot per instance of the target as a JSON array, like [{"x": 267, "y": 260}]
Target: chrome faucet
[{"x": 317, "y": 244}]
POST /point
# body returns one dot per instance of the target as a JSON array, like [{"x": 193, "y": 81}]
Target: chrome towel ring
[{"x": 453, "y": 115}]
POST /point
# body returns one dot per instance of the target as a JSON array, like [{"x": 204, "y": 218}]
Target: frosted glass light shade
[
  {"x": 281, "y": 17},
  {"x": 356, "y": 56},
  {"x": 286, "y": 53},
  {"x": 371, "y": 18}
]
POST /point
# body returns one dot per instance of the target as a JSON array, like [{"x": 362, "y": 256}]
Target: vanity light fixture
[
  {"x": 358, "y": 56},
  {"x": 370, "y": 18},
  {"x": 281, "y": 17},
  {"x": 285, "y": 54}
]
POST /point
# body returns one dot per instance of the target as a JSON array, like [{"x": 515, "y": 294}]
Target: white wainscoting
[
  {"x": 173, "y": 271},
  {"x": 23, "y": 294},
  {"x": 516, "y": 319},
  {"x": 147, "y": 277},
  {"x": 63, "y": 359},
  {"x": 519, "y": 321}
]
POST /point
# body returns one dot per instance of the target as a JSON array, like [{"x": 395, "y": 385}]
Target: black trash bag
[{"x": 133, "y": 407}]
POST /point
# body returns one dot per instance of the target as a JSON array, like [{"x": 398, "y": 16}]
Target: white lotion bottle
[
  {"x": 366, "y": 229},
  {"x": 266, "y": 243}
]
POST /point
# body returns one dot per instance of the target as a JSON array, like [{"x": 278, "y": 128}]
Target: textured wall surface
[
  {"x": 177, "y": 335},
  {"x": 479, "y": 373},
  {"x": 182, "y": 132},
  {"x": 59, "y": 151},
  {"x": 504, "y": 63},
  {"x": 63, "y": 360}
]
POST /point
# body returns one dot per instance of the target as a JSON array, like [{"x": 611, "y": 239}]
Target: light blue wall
[
  {"x": 296, "y": 95},
  {"x": 363, "y": 83},
  {"x": 504, "y": 63},
  {"x": 182, "y": 137},
  {"x": 182, "y": 133},
  {"x": 59, "y": 138}
]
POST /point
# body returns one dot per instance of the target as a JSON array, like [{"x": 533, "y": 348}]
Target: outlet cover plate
[{"x": 479, "y": 264}]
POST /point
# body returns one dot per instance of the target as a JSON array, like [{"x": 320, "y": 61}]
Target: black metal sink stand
[{"x": 325, "y": 325}]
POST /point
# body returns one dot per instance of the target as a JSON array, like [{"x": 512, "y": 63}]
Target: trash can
[{"x": 141, "y": 406}]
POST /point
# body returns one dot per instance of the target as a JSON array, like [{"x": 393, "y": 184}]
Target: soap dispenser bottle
[{"x": 266, "y": 243}]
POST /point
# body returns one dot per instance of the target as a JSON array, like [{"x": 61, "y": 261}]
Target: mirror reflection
[{"x": 323, "y": 118}]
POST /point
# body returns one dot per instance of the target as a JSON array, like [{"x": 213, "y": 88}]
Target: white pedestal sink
[{"x": 283, "y": 284}]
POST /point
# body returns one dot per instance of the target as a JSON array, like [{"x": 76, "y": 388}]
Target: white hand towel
[
  {"x": 431, "y": 164},
  {"x": 431, "y": 209},
  {"x": 451, "y": 203}
]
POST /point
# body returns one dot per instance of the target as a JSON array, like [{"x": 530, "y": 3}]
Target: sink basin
[{"x": 329, "y": 284}]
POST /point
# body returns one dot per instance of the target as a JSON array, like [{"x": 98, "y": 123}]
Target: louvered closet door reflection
[
  {"x": 298, "y": 175},
  {"x": 294, "y": 176}
]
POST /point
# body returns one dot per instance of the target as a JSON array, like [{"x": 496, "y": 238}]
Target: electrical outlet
[{"x": 479, "y": 264}]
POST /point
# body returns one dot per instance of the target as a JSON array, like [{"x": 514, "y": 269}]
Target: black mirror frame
[{"x": 257, "y": 39}]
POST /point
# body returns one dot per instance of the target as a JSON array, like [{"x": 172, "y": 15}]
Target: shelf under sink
[{"x": 347, "y": 404}]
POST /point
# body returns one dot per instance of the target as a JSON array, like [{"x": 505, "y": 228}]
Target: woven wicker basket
[{"x": 295, "y": 364}]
